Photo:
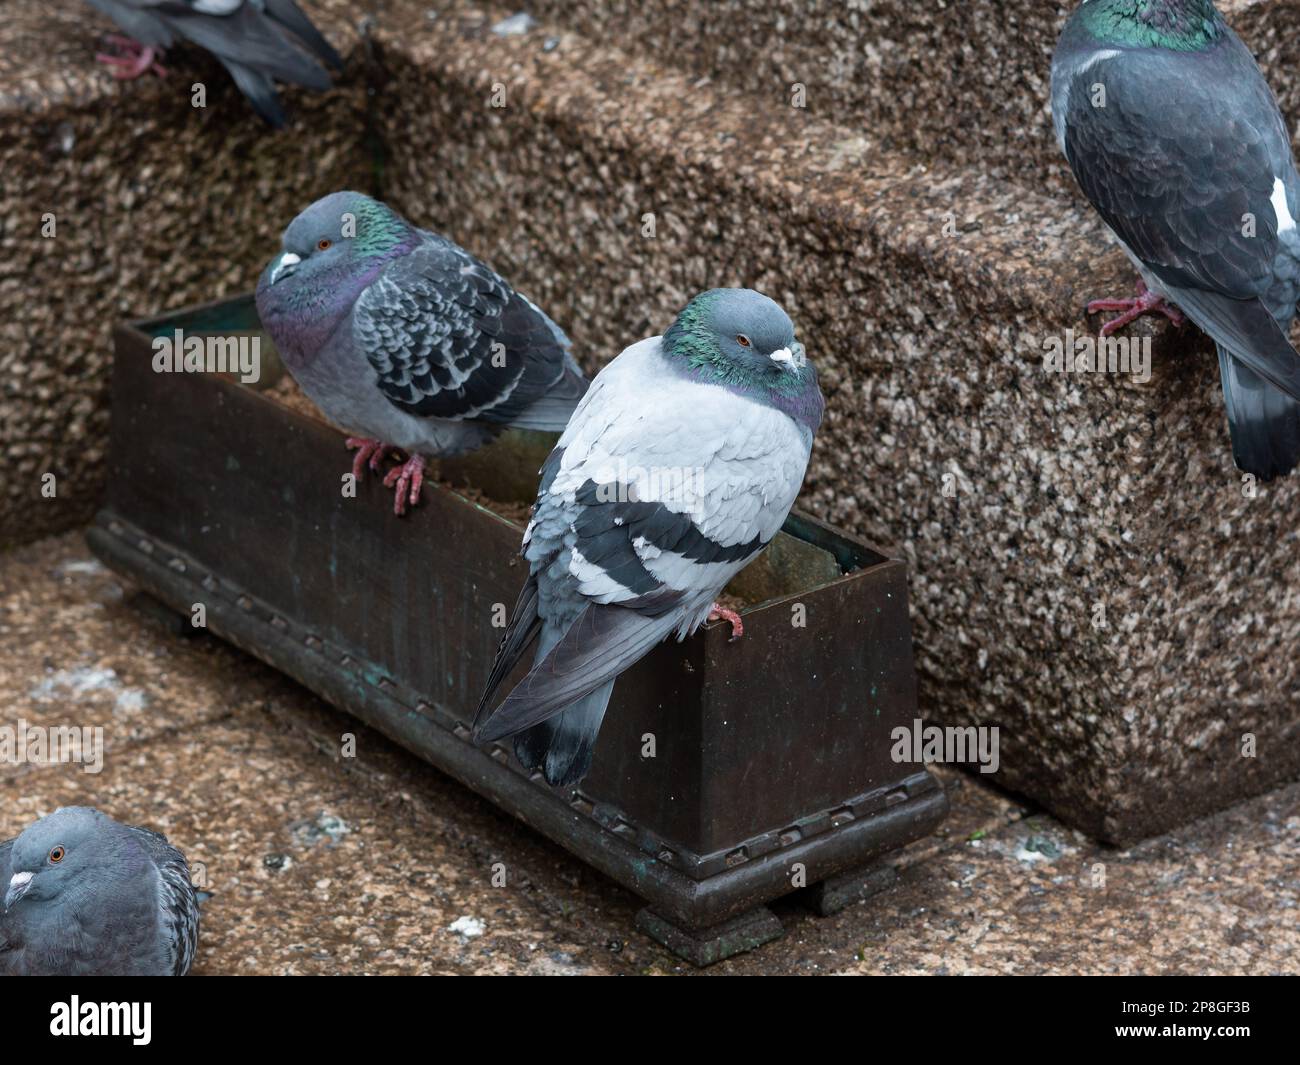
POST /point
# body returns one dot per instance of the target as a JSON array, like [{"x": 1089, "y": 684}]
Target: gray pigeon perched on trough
[
  {"x": 1174, "y": 136},
  {"x": 404, "y": 338},
  {"x": 87, "y": 896},
  {"x": 679, "y": 466},
  {"x": 258, "y": 41}
]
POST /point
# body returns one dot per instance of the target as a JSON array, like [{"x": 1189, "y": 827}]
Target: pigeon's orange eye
[
  {"x": 742, "y": 340},
  {"x": 56, "y": 855},
  {"x": 324, "y": 244}
]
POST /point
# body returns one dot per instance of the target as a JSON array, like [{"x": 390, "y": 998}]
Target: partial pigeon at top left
[{"x": 256, "y": 40}]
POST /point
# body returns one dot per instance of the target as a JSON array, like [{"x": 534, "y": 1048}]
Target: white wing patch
[
  {"x": 1062, "y": 106},
  {"x": 1095, "y": 58},
  {"x": 217, "y": 7},
  {"x": 1285, "y": 223}
]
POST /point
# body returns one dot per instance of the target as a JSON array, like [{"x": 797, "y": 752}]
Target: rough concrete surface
[
  {"x": 1098, "y": 584},
  {"x": 380, "y": 864}
]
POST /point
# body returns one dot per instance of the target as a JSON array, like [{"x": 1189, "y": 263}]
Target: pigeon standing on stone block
[
  {"x": 1174, "y": 136},
  {"x": 404, "y": 338},
  {"x": 86, "y": 896},
  {"x": 258, "y": 41},
  {"x": 679, "y": 466}
]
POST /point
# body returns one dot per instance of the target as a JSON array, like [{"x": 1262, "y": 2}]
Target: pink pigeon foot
[
  {"x": 1145, "y": 302},
  {"x": 409, "y": 475},
  {"x": 138, "y": 59},
  {"x": 368, "y": 451},
  {"x": 721, "y": 613}
]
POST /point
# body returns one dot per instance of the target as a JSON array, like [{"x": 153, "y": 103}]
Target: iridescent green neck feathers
[{"x": 1179, "y": 25}]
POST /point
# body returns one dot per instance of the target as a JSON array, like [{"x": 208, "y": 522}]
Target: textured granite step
[
  {"x": 155, "y": 205},
  {"x": 1098, "y": 585},
  {"x": 962, "y": 82}
]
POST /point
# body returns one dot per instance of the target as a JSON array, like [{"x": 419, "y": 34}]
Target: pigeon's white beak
[
  {"x": 783, "y": 357},
  {"x": 284, "y": 265},
  {"x": 18, "y": 886}
]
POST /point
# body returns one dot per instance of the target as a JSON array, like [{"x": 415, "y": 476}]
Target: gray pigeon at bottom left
[{"x": 87, "y": 896}]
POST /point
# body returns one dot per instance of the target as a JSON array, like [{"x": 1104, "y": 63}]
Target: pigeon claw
[
  {"x": 409, "y": 479},
  {"x": 721, "y": 613},
  {"x": 371, "y": 451},
  {"x": 138, "y": 60},
  {"x": 1145, "y": 302}
]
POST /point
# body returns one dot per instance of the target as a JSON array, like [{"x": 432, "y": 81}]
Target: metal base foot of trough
[
  {"x": 705, "y": 946},
  {"x": 726, "y": 774},
  {"x": 837, "y": 892}
]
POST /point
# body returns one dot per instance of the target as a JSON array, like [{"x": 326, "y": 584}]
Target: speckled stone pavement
[{"x": 380, "y": 864}]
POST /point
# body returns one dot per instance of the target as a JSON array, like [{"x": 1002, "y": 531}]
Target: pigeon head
[
  {"x": 742, "y": 340},
  {"x": 58, "y": 855},
  {"x": 330, "y": 253},
  {"x": 1183, "y": 25}
]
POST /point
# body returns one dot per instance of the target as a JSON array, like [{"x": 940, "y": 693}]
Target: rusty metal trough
[{"x": 771, "y": 766}]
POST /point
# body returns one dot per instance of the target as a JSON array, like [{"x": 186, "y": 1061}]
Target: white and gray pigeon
[
  {"x": 87, "y": 896},
  {"x": 405, "y": 339},
  {"x": 1176, "y": 139},
  {"x": 679, "y": 466},
  {"x": 257, "y": 41}
]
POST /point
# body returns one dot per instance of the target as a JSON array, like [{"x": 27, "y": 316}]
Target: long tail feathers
[
  {"x": 561, "y": 746},
  {"x": 291, "y": 16},
  {"x": 551, "y": 413},
  {"x": 259, "y": 91},
  {"x": 250, "y": 39},
  {"x": 1248, "y": 330},
  {"x": 600, "y": 644},
  {"x": 525, "y": 624},
  {"x": 556, "y": 710},
  {"x": 1264, "y": 421}
]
